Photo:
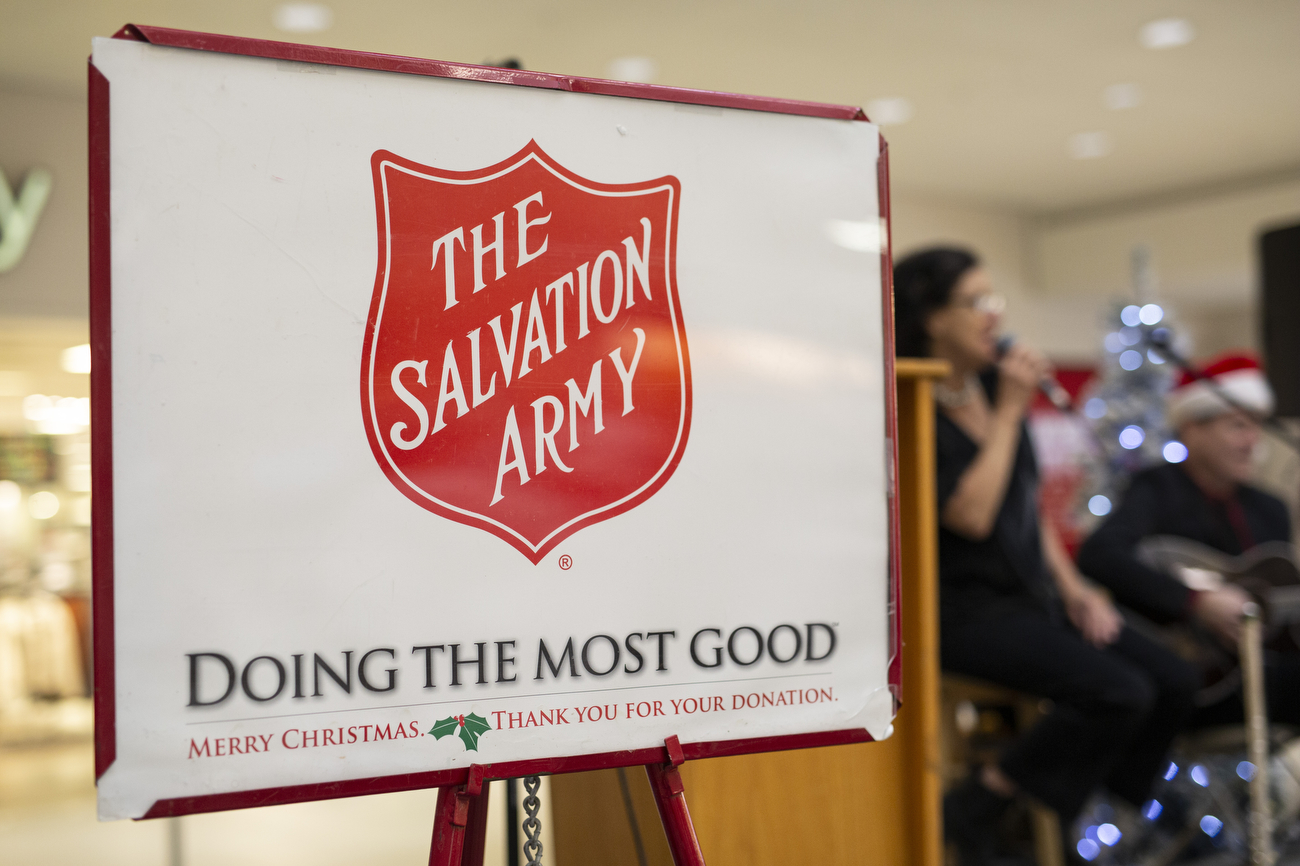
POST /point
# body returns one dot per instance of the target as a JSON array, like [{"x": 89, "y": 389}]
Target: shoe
[{"x": 970, "y": 819}]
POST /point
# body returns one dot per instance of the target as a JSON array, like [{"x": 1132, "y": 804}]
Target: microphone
[{"x": 1050, "y": 388}]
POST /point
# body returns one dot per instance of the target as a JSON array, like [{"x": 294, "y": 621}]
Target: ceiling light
[
  {"x": 77, "y": 359},
  {"x": 303, "y": 17},
  {"x": 1089, "y": 145},
  {"x": 889, "y": 110},
  {"x": 1166, "y": 33},
  {"x": 641, "y": 70},
  {"x": 1121, "y": 96}
]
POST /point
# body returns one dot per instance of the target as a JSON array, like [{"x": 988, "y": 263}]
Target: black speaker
[{"x": 1279, "y": 252}]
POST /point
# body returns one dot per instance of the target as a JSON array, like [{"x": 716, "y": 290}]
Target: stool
[{"x": 957, "y": 754}]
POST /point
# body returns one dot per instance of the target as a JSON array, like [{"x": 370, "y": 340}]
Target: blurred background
[{"x": 1118, "y": 166}]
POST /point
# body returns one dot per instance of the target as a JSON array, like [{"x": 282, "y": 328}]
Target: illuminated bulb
[
  {"x": 42, "y": 505},
  {"x": 77, "y": 359},
  {"x": 1211, "y": 825},
  {"x": 1088, "y": 849},
  {"x": 1109, "y": 834},
  {"x": 1099, "y": 505},
  {"x": 1151, "y": 314},
  {"x": 1132, "y": 436},
  {"x": 1130, "y": 360},
  {"x": 1200, "y": 777},
  {"x": 10, "y": 495},
  {"x": 1131, "y": 315},
  {"x": 1246, "y": 770},
  {"x": 1152, "y": 810},
  {"x": 1174, "y": 452}
]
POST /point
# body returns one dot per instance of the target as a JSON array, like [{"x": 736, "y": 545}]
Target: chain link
[{"x": 532, "y": 824}]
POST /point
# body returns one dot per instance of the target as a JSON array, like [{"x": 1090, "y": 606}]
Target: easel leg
[
  {"x": 476, "y": 829},
  {"x": 670, "y": 799},
  {"x": 455, "y": 818}
]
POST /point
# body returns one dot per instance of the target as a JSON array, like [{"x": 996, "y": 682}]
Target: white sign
[{"x": 458, "y": 422}]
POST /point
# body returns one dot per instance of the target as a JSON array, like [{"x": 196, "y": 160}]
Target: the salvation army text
[{"x": 594, "y": 292}]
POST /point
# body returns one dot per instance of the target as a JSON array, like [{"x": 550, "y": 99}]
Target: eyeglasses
[{"x": 989, "y": 303}]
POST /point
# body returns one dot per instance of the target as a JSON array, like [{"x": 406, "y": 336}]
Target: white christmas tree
[{"x": 1126, "y": 408}]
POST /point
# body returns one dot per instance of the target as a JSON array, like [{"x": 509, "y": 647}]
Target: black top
[
  {"x": 1165, "y": 501},
  {"x": 1006, "y": 568}
]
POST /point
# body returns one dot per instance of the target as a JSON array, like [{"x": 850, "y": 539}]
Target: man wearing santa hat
[{"x": 1205, "y": 498}]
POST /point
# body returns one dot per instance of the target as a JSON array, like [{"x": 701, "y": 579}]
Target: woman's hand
[
  {"x": 1093, "y": 615},
  {"x": 1019, "y": 372}
]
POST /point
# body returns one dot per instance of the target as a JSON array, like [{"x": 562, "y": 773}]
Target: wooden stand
[
  {"x": 870, "y": 804},
  {"x": 460, "y": 818}
]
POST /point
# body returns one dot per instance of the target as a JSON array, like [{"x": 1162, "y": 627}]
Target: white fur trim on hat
[{"x": 1197, "y": 400}]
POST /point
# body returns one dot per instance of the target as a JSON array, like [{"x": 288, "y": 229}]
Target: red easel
[{"x": 460, "y": 819}]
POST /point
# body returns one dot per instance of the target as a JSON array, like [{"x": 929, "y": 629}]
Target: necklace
[{"x": 950, "y": 399}]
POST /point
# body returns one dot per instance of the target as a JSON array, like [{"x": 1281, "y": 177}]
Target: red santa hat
[{"x": 1236, "y": 375}]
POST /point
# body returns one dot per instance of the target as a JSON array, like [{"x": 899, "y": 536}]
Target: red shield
[{"x": 525, "y": 366}]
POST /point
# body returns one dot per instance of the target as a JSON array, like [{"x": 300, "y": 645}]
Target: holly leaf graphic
[
  {"x": 468, "y": 728},
  {"x": 443, "y": 727},
  {"x": 471, "y": 727}
]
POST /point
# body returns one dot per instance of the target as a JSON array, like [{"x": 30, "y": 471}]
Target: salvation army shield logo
[{"x": 525, "y": 367}]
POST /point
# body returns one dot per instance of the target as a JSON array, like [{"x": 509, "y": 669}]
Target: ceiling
[{"x": 998, "y": 88}]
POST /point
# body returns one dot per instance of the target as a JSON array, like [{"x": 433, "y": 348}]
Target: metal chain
[{"x": 532, "y": 825}]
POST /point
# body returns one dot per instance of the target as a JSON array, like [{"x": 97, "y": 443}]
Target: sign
[{"x": 618, "y": 464}]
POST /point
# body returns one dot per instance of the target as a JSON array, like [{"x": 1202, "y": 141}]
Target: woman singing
[{"x": 1013, "y": 608}]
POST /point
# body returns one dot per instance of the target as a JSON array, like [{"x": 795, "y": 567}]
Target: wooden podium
[{"x": 871, "y": 803}]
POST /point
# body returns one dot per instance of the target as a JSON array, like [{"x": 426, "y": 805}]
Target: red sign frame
[{"x": 102, "y": 411}]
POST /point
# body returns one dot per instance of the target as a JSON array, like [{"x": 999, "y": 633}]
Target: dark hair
[{"x": 923, "y": 283}]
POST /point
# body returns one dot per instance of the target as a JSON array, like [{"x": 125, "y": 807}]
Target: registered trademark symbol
[{"x": 566, "y": 562}]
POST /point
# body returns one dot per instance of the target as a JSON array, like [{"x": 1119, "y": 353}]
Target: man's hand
[
  {"x": 1219, "y": 611},
  {"x": 1094, "y": 616}
]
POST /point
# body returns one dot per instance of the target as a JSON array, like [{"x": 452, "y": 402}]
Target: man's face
[{"x": 1223, "y": 446}]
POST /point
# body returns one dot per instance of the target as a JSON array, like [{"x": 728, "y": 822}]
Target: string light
[{"x": 1132, "y": 437}]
